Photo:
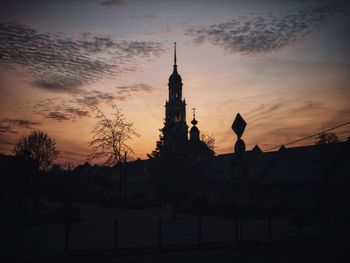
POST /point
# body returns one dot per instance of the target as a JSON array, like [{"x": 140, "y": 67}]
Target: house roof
[
  {"x": 304, "y": 164},
  {"x": 287, "y": 165}
]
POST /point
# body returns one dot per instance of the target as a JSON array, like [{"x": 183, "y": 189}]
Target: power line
[{"x": 311, "y": 136}]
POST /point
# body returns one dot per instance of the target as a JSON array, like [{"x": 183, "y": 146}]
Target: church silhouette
[{"x": 174, "y": 138}]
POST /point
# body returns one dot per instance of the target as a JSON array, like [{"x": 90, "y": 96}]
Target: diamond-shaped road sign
[{"x": 238, "y": 125}]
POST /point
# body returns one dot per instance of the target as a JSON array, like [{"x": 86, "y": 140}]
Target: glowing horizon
[{"x": 283, "y": 66}]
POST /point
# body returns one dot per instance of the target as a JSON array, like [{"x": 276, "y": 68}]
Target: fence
[{"x": 162, "y": 233}]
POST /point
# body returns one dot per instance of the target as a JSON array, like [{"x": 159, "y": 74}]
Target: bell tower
[{"x": 175, "y": 129}]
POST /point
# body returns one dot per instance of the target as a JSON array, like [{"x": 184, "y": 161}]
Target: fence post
[
  {"x": 269, "y": 227},
  {"x": 240, "y": 229},
  {"x": 199, "y": 230},
  {"x": 159, "y": 233},
  {"x": 301, "y": 231},
  {"x": 67, "y": 236},
  {"x": 116, "y": 234},
  {"x": 236, "y": 229},
  {"x": 13, "y": 236},
  {"x": 329, "y": 226}
]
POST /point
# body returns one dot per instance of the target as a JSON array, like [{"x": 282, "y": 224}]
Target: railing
[{"x": 163, "y": 233}]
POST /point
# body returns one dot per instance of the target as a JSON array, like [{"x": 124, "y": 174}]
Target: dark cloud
[
  {"x": 127, "y": 90},
  {"x": 151, "y": 16},
  {"x": 110, "y": 3},
  {"x": 77, "y": 112},
  {"x": 279, "y": 109},
  {"x": 83, "y": 102},
  {"x": 56, "y": 115},
  {"x": 266, "y": 33},
  {"x": 60, "y": 109},
  {"x": 11, "y": 125},
  {"x": 95, "y": 98},
  {"x": 5, "y": 128},
  {"x": 58, "y": 63},
  {"x": 58, "y": 83},
  {"x": 80, "y": 104},
  {"x": 21, "y": 122}
]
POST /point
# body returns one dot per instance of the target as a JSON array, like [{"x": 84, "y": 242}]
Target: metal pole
[
  {"x": 125, "y": 194},
  {"x": 240, "y": 229},
  {"x": 199, "y": 230},
  {"x": 120, "y": 184},
  {"x": 329, "y": 210},
  {"x": 236, "y": 229},
  {"x": 116, "y": 234},
  {"x": 67, "y": 237},
  {"x": 13, "y": 235},
  {"x": 269, "y": 226},
  {"x": 160, "y": 233}
]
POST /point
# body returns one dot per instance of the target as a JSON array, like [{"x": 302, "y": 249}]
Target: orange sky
[{"x": 288, "y": 85}]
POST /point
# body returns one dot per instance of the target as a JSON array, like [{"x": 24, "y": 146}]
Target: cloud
[
  {"x": 58, "y": 83},
  {"x": 278, "y": 110},
  {"x": 59, "y": 63},
  {"x": 150, "y": 16},
  {"x": 257, "y": 34},
  {"x": 82, "y": 103},
  {"x": 95, "y": 98},
  {"x": 56, "y": 115},
  {"x": 12, "y": 125},
  {"x": 77, "y": 112},
  {"x": 6, "y": 129},
  {"x": 135, "y": 89},
  {"x": 60, "y": 109},
  {"x": 110, "y": 3}
]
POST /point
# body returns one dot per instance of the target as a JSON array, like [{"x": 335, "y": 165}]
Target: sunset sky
[{"x": 283, "y": 65}]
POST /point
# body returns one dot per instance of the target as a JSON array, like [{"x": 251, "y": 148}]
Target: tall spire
[{"x": 175, "y": 54}]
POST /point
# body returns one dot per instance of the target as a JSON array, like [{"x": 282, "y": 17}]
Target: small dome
[{"x": 194, "y": 121}]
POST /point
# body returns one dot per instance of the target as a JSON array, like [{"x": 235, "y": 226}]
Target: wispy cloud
[
  {"x": 12, "y": 125},
  {"x": 150, "y": 16},
  {"x": 56, "y": 115},
  {"x": 95, "y": 98},
  {"x": 59, "y": 63},
  {"x": 60, "y": 109},
  {"x": 256, "y": 34},
  {"x": 278, "y": 110},
  {"x": 80, "y": 104},
  {"x": 110, "y": 3},
  {"x": 127, "y": 90}
]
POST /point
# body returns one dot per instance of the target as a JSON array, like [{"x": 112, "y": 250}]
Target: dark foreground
[{"x": 315, "y": 251}]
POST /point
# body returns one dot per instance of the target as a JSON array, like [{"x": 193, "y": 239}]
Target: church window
[{"x": 177, "y": 115}]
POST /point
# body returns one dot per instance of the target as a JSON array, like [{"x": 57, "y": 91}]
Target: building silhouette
[
  {"x": 175, "y": 131},
  {"x": 175, "y": 128}
]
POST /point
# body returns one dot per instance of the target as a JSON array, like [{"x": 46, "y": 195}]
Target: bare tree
[
  {"x": 110, "y": 137},
  {"x": 326, "y": 138},
  {"x": 209, "y": 140},
  {"x": 39, "y": 146}
]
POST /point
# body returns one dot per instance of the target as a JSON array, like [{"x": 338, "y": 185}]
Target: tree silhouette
[
  {"x": 39, "y": 146},
  {"x": 209, "y": 140},
  {"x": 159, "y": 147},
  {"x": 326, "y": 138},
  {"x": 110, "y": 137}
]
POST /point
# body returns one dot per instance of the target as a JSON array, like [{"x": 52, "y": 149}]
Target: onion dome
[{"x": 194, "y": 132}]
